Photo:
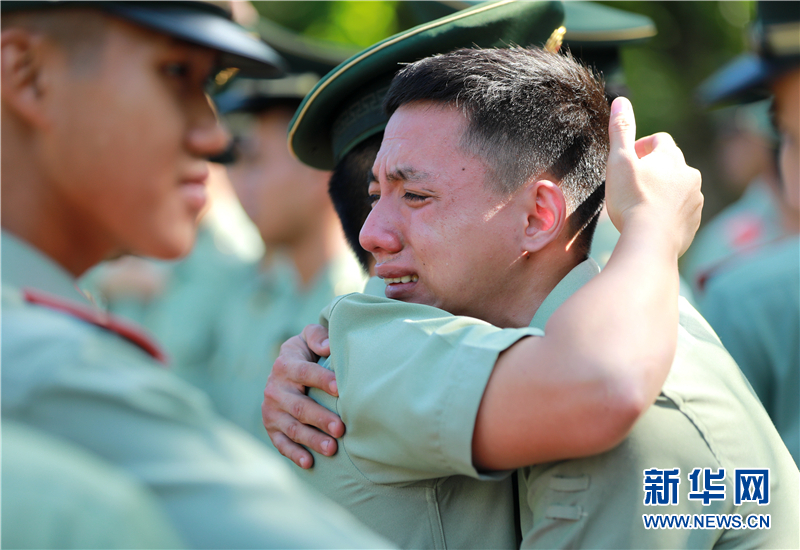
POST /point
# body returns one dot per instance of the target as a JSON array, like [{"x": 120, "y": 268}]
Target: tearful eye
[{"x": 414, "y": 197}]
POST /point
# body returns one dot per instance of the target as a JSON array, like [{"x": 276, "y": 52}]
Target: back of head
[
  {"x": 531, "y": 113},
  {"x": 348, "y": 191}
]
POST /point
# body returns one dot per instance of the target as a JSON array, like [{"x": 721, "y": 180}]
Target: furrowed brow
[{"x": 406, "y": 174}]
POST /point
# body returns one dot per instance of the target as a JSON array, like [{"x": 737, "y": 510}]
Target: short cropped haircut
[
  {"x": 348, "y": 189},
  {"x": 80, "y": 31},
  {"x": 530, "y": 113}
]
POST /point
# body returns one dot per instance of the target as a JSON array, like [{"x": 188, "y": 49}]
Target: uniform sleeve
[
  {"x": 411, "y": 379},
  {"x": 218, "y": 486}
]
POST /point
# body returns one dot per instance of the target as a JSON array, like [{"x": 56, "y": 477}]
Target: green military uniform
[
  {"x": 603, "y": 243},
  {"x": 271, "y": 303},
  {"x": 56, "y": 495},
  {"x": 184, "y": 314},
  {"x": 410, "y": 382},
  {"x": 705, "y": 417},
  {"x": 754, "y": 307},
  {"x": 746, "y": 224},
  {"x": 395, "y": 475},
  {"x": 76, "y": 373},
  {"x": 268, "y": 309}
]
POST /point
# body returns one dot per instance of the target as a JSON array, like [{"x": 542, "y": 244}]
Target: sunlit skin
[
  {"x": 435, "y": 219},
  {"x": 111, "y": 158},
  {"x": 787, "y": 118}
]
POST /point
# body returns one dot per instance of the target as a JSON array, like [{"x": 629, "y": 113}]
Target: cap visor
[
  {"x": 250, "y": 55},
  {"x": 744, "y": 80}
]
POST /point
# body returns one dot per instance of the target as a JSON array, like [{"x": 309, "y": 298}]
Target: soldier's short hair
[{"x": 530, "y": 112}]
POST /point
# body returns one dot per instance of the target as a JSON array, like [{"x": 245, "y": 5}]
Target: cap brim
[
  {"x": 744, "y": 80},
  {"x": 239, "y": 49},
  {"x": 495, "y": 24},
  {"x": 599, "y": 26}
]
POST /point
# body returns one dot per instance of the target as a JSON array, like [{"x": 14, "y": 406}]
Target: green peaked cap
[
  {"x": 307, "y": 60},
  {"x": 587, "y": 23},
  {"x": 345, "y": 107},
  {"x": 594, "y": 32}
]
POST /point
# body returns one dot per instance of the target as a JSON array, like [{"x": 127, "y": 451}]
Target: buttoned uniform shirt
[
  {"x": 98, "y": 389},
  {"x": 754, "y": 306},
  {"x": 270, "y": 307},
  {"x": 57, "y": 495},
  {"x": 706, "y": 417},
  {"x": 748, "y": 223}
]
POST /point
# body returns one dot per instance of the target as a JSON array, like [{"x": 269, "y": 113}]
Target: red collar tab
[{"x": 97, "y": 317}]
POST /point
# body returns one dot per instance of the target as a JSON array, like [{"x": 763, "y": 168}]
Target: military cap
[
  {"x": 345, "y": 107},
  {"x": 775, "y": 44},
  {"x": 201, "y": 23},
  {"x": 585, "y": 22},
  {"x": 594, "y": 33},
  {"x": 307, "y": 59}
]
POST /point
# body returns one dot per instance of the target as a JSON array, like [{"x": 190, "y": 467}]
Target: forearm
[
  {"x": 624, "y": 323},
  {"x": 605, "y": 354}
]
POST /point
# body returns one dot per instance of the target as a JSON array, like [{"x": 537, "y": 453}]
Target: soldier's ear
[
  {"x": 546, "y": 214},
  {"x": 22, "y": 79}
]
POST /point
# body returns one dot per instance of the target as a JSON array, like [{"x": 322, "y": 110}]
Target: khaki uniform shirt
[
  {"x": 269, "y": 308},
  {"x": 57, "y": 495},
  {"x": 392, "y": 473},
  {"x": 603, "y": 243},
  {"x": 706, "y": 417},
  {"x": 66, "y": 372},
  {"x": 755, "y": 308}
]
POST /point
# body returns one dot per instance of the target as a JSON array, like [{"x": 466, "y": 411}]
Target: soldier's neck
[
  {"x": 314, "y": 250},
  {"x": 41, "y": 219}
]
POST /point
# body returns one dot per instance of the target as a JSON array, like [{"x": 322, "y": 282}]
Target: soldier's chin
[{"x": 173, "y": 246}]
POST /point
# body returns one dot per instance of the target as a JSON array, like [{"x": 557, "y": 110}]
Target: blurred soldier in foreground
[
  {"x": 58, "y": 495},
  {"x": 754, "y": 305},
  {"x": 178, "y": 301},
  {"x": 106, "y": 127}
]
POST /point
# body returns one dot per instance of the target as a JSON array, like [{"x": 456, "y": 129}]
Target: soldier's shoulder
[
  {"x": 46, "y": 349},
  {"x": 770, "y": 265}
]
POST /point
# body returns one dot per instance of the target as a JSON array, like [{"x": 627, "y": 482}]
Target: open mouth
[{"x": 400, "y": 280}]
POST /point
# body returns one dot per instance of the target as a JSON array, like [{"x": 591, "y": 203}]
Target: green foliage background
[{"x": 694, "y": 39}]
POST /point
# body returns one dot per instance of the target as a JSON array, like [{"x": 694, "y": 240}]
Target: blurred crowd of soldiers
[{"x": 278, "y": 239}]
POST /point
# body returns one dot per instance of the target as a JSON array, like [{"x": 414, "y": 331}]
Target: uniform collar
[
  {"x": 23, "y": 266},
  {"x": 575, "y": 279}
]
